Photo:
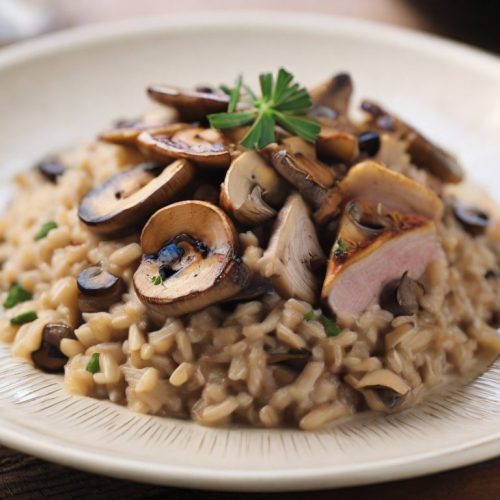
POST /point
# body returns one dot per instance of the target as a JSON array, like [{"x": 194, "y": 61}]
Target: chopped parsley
[
  {"x": 309, "y": 315},
  {"x": 156, "y": 280},
  {"x": 331, "y": 328},
  {"x": 45, "y": 230},
  {"x": 341, "y": 249},
  {"x": 23, "y": 318},
  {"x": 16, "y": 295},
  {"x": 282, "y": 103},
  {"x": 93, "y": 365}
]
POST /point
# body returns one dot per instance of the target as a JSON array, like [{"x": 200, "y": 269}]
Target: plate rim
[{"x": 49, "y": 448}]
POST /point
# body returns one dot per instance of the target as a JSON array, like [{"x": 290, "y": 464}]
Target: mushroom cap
[
  {"x": 98, "y": 289},
  {"x": 373, "y": 182},
  {"x": 127, "y": 199},
  {"x": 334, "y": 93},
  {"x": 338, "y": 143},
  {"x": 198, "y": 281},
  {"x": 358, "y": 270},
  {"x": 192, "y": 105},
  {"x": 311, "y": 177},
  {"x": 250, "y": 184},
  {"x": 203, "y": 146},
  {"x": 125, "y": 132},
  {"x": 293, "y": 253}
]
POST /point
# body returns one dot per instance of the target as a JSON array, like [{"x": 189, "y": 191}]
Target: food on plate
[{"x": 234, "y": 258}]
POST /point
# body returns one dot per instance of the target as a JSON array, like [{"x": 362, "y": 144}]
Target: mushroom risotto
[{"x": 234, "y": 258}]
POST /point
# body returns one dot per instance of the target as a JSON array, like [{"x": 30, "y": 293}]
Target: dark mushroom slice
[
  {"x": 203, "y": 146},
  {"x": 312, "y": 178},
  {"x": 192, "y": 105},
  {"x": 190, "y": 259},
  {"x": 295, "y": 359},
  {"x": 423, "y": 152},
  {"x": 472, "y": 219},
  {"x": 126, "y": 132},
  {"x": 371, "y": 251},
  {"x": 294, "y": 255},
  {"x": 369, "y": 142},
  {"x": 383, "y": 389},
  {"x": 401, "y": 297},
  {"x": 251, "y": 189},
  {"x": 99, "y": 289},
  {"x": 335, "y": 94},
  {"x": 49, "y": 357},
  {"x": 256, "y": 287},
  {"x": 372, "y": 182},
  {"x": 51, "y": 168},
  {"x": 126, "y": 200}
]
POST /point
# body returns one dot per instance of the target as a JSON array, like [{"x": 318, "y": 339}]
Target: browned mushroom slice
[
  {"x": 192, "y": 105},
  {"x": 401, "y": 296},
  {"x": 334, "y": 94},
  {"x": 49, "y": 357},
  {"x": 423, "y": 152},
  {"x": 373, "y": 182},
  {"x": 372, "y": 250},
  {"x": 251, "y": 189},
  {"x": 125, "y": 132},
  {"x": 98, "y": 289},
  {"x": 126, "y": 200},
  {"x": 338, "y": 143},
  {"x": 202, "y": 146},
  {"x": 383, "y": 389},
  {"x": 190, "y": 259},
  {"x": 311, "y": 177},
  {"x": 294, "y": 253}
]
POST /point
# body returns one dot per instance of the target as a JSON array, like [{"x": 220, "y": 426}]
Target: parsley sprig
[{"x": 282, "y": 102}]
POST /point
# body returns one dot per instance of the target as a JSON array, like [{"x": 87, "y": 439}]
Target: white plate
[{"x": 65, "y": 88}]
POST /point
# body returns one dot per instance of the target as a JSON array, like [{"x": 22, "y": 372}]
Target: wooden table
[{"x": 22, "y": 476}]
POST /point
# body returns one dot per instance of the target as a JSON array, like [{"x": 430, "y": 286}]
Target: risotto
[{"x": 239, "y": 260}]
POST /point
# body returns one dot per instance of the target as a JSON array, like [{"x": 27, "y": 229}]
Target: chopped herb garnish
[
  {"x": 93, "y": 365},
  {"x": 156, "y": 280},
  {"x": 45, "y": 230},
  {"x": 16, "y": 295},
  {"x": 309, "y": 315},
  {"x": 341, "y": 244},
  {"x": 25, "y": 317},
  {"x": 282, "y": 102},
  {"x": 331, "y": 328}
]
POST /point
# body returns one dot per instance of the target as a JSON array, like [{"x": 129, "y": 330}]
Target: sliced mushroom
[
  {"x": 375, "y": 183},
  {"x": 127, "y": 199},
  {"x": 401, "y": 296},
  {"x": 294, "y": 253},
  {"x": 49, "y": 357},
  {"x": 383, "y": 389},
  {"x": 364, "y": 259},
  {"x": 251, "y": 189},
  {"x": 473, "y": 220},
  {"x": 297, "y": 146},
  {"x": 369, "y": 142},
  {"x": 125, "y": 132},
  {"x": 202, "y": 146},
  {"x": 256, "y": 287},
  {"x": 334, "y": 94},
  {"x": 99, "y": 290},
  {"x": 311, "y": 177},
  {"x": 338, "y": 143},
  {"x": 192, "y": 105},
  {"x": 424, "y": 153},
  {"x": 51, "y": 168},
  {"x": 190, "y": 259}
]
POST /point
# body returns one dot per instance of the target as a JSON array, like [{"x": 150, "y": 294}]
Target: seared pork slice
[
  {"x": 371, "y": 252},
  {"x": 375, "y": 183}
]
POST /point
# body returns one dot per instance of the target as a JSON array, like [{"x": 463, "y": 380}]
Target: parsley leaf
[
  {"x": 331, "y": 328},
  {"x": 93, "y": 365},
  {"x": 156, "y": 280},
  {"x": 282, "y": 102},
  {"x": 309, "y": 316},
  {"x": 45, "y": 230},
  {"x": 16, "y": 295},
  {"x": 25, "y": 317}
]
